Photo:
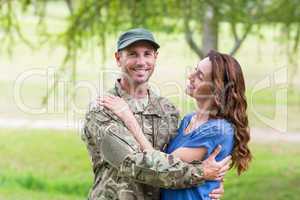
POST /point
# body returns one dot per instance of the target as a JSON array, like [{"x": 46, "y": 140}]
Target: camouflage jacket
[{"x": 121, "y": 170}]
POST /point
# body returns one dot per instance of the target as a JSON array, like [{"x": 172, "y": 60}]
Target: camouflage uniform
[{"x": 122, "y": 171}]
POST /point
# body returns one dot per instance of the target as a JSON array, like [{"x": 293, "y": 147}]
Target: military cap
[{"x": 134, "y": 35}]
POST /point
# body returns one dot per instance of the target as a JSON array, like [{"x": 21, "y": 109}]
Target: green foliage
[{"x": 90, "y": 23}]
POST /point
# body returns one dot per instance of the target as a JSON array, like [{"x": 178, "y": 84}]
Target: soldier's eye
[
  {"x": 149, "y": 53},
  {"x": 131, "y": 54}
]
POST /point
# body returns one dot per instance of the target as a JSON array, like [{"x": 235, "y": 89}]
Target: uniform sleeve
[
  {"x": 154, "y": 168},
  {"x": 161, "y": 170},
  {"x": 101, "y": 129},
  {"x": 92, "y": 134}
]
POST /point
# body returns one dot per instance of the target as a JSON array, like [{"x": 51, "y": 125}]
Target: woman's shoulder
[{"x": 221, "y": 126}]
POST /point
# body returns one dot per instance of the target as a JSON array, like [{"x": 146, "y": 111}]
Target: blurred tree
[
  {"x": 89, "y": 23},
  {"x": 288, "y": 15}
]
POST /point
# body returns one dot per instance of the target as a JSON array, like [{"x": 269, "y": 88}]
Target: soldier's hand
[
  {"x": 217, "y": 193},
  {"x": 213, "y": 170}
]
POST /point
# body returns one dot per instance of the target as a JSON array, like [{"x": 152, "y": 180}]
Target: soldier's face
[
  {"x": 200, "y": 81},
  {"x": 137, "y": 62}
]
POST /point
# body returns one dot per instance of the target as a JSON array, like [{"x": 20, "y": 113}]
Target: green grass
[
  {"x": 54, "y": 165},
  {"x": 274, "y": 174},
  {"x": 49, "y": 165}
]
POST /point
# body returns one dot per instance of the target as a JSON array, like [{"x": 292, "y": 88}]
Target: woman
[{"x": 218, "y": 86}]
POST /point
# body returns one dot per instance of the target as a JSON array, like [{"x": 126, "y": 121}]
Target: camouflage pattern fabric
[{"x": 121, "y": 170}]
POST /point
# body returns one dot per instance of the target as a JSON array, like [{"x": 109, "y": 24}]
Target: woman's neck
[
  {"x": 201, "y": 116},
  {"x": 203, "y": 110}
]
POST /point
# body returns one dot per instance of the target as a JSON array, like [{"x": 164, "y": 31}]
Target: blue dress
[{"x": 208, "y": 135}]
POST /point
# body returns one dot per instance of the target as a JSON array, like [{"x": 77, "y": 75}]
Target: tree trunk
[{"x": 210, "y": 30}]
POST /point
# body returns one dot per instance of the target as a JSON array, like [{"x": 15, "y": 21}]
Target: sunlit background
[{"x": 52, "y": 66}]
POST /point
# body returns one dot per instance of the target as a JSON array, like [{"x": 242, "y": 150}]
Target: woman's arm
[
  {"x": 190, "y": 154},
  {"x": 134, "y": 127},
  {"x": 119, "y": 107}
]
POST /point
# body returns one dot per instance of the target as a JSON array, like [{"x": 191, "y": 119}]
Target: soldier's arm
[
  {"x": 152, "y": 167},
  {"x": 166, "y": 171},
  {"x": 92, "y": 132}
]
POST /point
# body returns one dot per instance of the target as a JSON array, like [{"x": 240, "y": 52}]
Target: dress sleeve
[{"x": 208, "y": 137}]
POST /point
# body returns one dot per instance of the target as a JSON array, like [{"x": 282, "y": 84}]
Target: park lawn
[
  {"x": 49, "y": 164},
  {"x": 45, "y": 164}
]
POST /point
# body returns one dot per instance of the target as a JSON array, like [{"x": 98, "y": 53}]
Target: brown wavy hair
[{"x": 230, "y": 103}]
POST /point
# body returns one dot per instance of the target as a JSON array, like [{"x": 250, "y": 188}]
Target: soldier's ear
[
  {"x": 156, "y": 54},
  {"x": 118, "y": 57}
]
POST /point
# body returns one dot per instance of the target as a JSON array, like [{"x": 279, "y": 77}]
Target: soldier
[{"x": 121, "y": 170}]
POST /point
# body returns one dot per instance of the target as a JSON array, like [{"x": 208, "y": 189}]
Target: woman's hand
[
  {"x": 117, "y": 105},
  {"x": 120, "y": 108}
]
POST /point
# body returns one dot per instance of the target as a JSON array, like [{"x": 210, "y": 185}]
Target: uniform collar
[{"x": 153, "y": 108}]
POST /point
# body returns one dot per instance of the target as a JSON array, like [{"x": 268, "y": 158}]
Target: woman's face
[{"x": 200, "y": 81}]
